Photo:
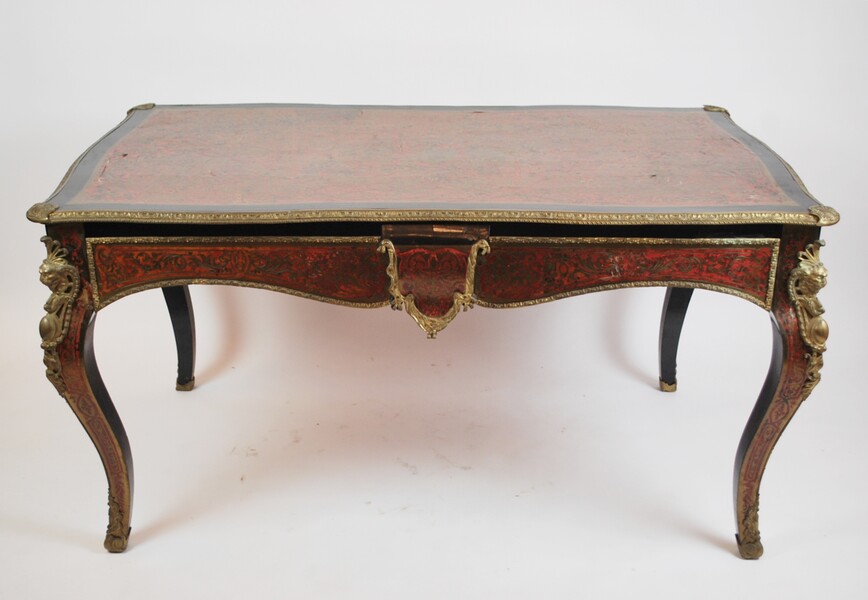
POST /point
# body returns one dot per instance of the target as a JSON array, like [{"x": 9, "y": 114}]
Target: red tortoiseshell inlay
[
  {"x": 521, "y": 272},
  {"x": 352, "y": 272},
  {"x": 433, "y": 274}
]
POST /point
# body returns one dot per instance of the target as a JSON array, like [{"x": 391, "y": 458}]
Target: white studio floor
[{"x": 334, "y": 453}]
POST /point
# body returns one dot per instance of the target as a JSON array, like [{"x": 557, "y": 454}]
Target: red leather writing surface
[{"x": 319, "y": 158}]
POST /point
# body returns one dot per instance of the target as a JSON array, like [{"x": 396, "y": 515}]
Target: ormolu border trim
[{"x": 826, "y": 216}]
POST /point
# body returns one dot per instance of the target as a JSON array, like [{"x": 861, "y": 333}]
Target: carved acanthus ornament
[
  {"x": 806, "y": 280},
  {"x": 63, "y": 280},
  {"x": 432, "y": 324},
  {"x": 117, "y": 535}
]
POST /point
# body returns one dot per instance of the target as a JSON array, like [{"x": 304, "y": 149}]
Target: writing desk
[{"x": 432, "y": 210}]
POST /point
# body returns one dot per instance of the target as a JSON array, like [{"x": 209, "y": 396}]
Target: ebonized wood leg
[
  {"x": 67, "y": 342},
  {"x": 671, "y": 321},
  {"x": 181, "y": 313},
  {"x": 800, "y": 334}
]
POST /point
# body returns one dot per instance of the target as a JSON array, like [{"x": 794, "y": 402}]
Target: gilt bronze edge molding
[
  {"x": 372, "y": 239},
  {"x": 662, "y": 241},
  {"x": 762, "y": 303},
  {"x": 258, "y": 240},
  {"x": 101, "y": 302},
  {"x": 386, "y": 215}
]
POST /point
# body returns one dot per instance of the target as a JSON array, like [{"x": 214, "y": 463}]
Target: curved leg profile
[
  {"x": 181, "y": 313},
  {"x": 674, "y": 309},
  {"x": 67, "y": 342},
  {"x": 748, "y": 474},
  {"x": 800, "y": 334}
]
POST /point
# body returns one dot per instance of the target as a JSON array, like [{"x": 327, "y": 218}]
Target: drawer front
[
  {"x": 518, "y": 271},
  {"x": 338, "y": 270},
  {"x": 521, "y": 271}
]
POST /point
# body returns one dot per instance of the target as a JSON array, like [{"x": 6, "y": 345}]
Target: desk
[{"x": 432, "y": 210}]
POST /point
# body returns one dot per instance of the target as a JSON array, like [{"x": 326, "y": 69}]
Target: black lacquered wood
[
  {"x": 181, "y": 312},
  {"x": 674, "y": 309}
]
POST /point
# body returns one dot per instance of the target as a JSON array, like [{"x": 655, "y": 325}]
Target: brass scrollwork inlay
[
  {"x": 63, "y": 280},
  {"x": 461, "y": 300},
  {"x": 806, "y": 280}
]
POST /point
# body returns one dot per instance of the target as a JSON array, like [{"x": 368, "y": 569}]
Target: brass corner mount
[
  {"x": 712, "y": 108},
  {"x": 826, "y": 215},
  {"x": 146, "y": 106},
  {"x": 41, "y": 212}
]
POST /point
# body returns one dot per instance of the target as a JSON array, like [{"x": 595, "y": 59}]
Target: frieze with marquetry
[
  {"x": 520, "y": 272},
  {"x": 351, "y": 272}
]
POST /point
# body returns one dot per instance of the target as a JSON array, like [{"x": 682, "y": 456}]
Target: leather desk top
[{"x": 297, "y": 163}]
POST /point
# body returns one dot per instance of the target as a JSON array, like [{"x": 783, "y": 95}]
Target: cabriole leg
[
  {"x": 67, "y": 342},
  {"x": 800, "y": 334},
  {"x": 671, "y": 321},
  {"x": 181, "y": 313}
]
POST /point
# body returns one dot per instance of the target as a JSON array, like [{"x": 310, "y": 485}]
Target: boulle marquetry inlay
[{"x": 433, "y": 210}]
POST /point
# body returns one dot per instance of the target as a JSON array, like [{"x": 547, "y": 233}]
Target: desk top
[{"x": 297, "y": 163}]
